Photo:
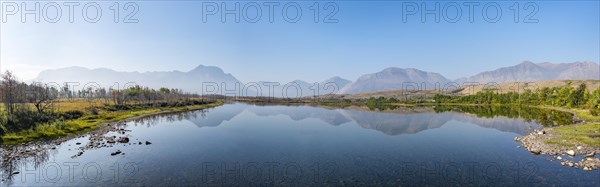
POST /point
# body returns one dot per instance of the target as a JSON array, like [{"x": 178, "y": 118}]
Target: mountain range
[
  {"x": 213, "y": 80},
  {"x": 529, "y": 71}
]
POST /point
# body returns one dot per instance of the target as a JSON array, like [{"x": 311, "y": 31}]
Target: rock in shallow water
[
  {"x": 116, "y": 153},
  {"x": 590, "y": 154},
  {"x": 570, "y": 153},
  {"x": 123, "y": 140}
]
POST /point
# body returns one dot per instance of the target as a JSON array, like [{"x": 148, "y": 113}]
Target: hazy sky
[{"x": 368, "y": 37}]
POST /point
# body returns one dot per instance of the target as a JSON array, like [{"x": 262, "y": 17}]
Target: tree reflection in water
[
  {"x": 16, "y": 157},
  {"x": 545, "y": 117}
]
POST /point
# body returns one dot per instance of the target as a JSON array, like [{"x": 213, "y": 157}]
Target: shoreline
[
  {"x": 539, "y": 142},
  {"x": 103, "y": 126}
]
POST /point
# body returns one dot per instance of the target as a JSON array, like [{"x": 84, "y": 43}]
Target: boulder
[
  {"x": 590, "y": 154},
  {"x": 123, "y": 140},
  {"x": 535, "y": 150}
]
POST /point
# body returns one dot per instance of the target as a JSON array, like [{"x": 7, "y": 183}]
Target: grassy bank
[
  {"x": 586, "y": 132},
  {"x": 89, "y": 121}
]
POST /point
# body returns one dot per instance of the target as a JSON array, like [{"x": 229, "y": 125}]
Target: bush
[
  {"x": 93, "y": 110},
  {"x": 595, "y": 111},
  {"x": 22, "y": 119},
  {"x": 72, "y": 114},
  {"x": 113, "y": 108}
]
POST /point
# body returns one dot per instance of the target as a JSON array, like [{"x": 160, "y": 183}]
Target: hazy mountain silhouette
[
  {"x": 213, "y": 80},
  {"x": 296, "y": 88},
  {"x": 529, "y": 71},
  {"x": 395, "y": 79},
  {"x": 191, "y": 81}
]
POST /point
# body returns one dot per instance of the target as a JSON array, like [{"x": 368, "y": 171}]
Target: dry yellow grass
[{"x": 77, "y": 104}]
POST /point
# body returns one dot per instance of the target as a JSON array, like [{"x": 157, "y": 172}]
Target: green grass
[
  {"x": 87, "y": 123},
  {"x": 587, "y": 133}
]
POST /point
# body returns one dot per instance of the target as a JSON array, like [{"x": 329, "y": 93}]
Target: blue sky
[{"x": 368, "y": 37}]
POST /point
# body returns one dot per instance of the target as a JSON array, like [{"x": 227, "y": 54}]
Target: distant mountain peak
[
  {"x": 526, "y": 62},
  {"x": 203, "y": 68}
]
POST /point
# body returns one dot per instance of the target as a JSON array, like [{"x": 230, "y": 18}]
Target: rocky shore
[
  {"x": 98, "y": 138},
  {"x": 535, "y": 142},
  {"x": 107, "y": 136}
]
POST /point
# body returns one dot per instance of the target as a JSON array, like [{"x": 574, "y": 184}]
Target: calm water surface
[{"x": 249, "y": 145}]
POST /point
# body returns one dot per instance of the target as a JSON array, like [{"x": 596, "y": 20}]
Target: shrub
[
  {"x": 26, "y": 119},
  {"x": 595, "y": 111},
  {"x": 72, "y": 114},
  {"x": 93, "y": 110}
]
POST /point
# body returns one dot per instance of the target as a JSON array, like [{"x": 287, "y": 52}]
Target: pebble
[
  {"x": 590, "y": 154},
  {"x": 570, "y": 153}
]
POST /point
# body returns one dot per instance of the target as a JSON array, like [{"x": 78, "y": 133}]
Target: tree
[
  {"x": 9, "y": 89},
  {"x": 594, "y": 99},
  {"x": 41, "y": 96},
  {"x": 579, "y": 95}
]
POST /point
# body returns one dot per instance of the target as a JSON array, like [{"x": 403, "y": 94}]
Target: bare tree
[
  {"x": 41, "y": 96},
  {"x": 9, "y": 89}
]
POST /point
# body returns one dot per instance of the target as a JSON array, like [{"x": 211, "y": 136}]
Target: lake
[{"x": 276, "y": 145}]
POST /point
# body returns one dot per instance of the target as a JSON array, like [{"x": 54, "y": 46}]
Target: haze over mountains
[
  {"x": 395, "y": 79},
  {"x": 529, "y": 71},
  {"x": 213, "y": 80}
]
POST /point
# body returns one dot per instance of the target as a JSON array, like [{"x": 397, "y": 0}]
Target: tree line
[
  {"x": 25, "y": 105},
  {"x": 566, "y": 96}
]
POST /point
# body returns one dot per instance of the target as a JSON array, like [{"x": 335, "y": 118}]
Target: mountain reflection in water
[{"x": 396, "y": 120}]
